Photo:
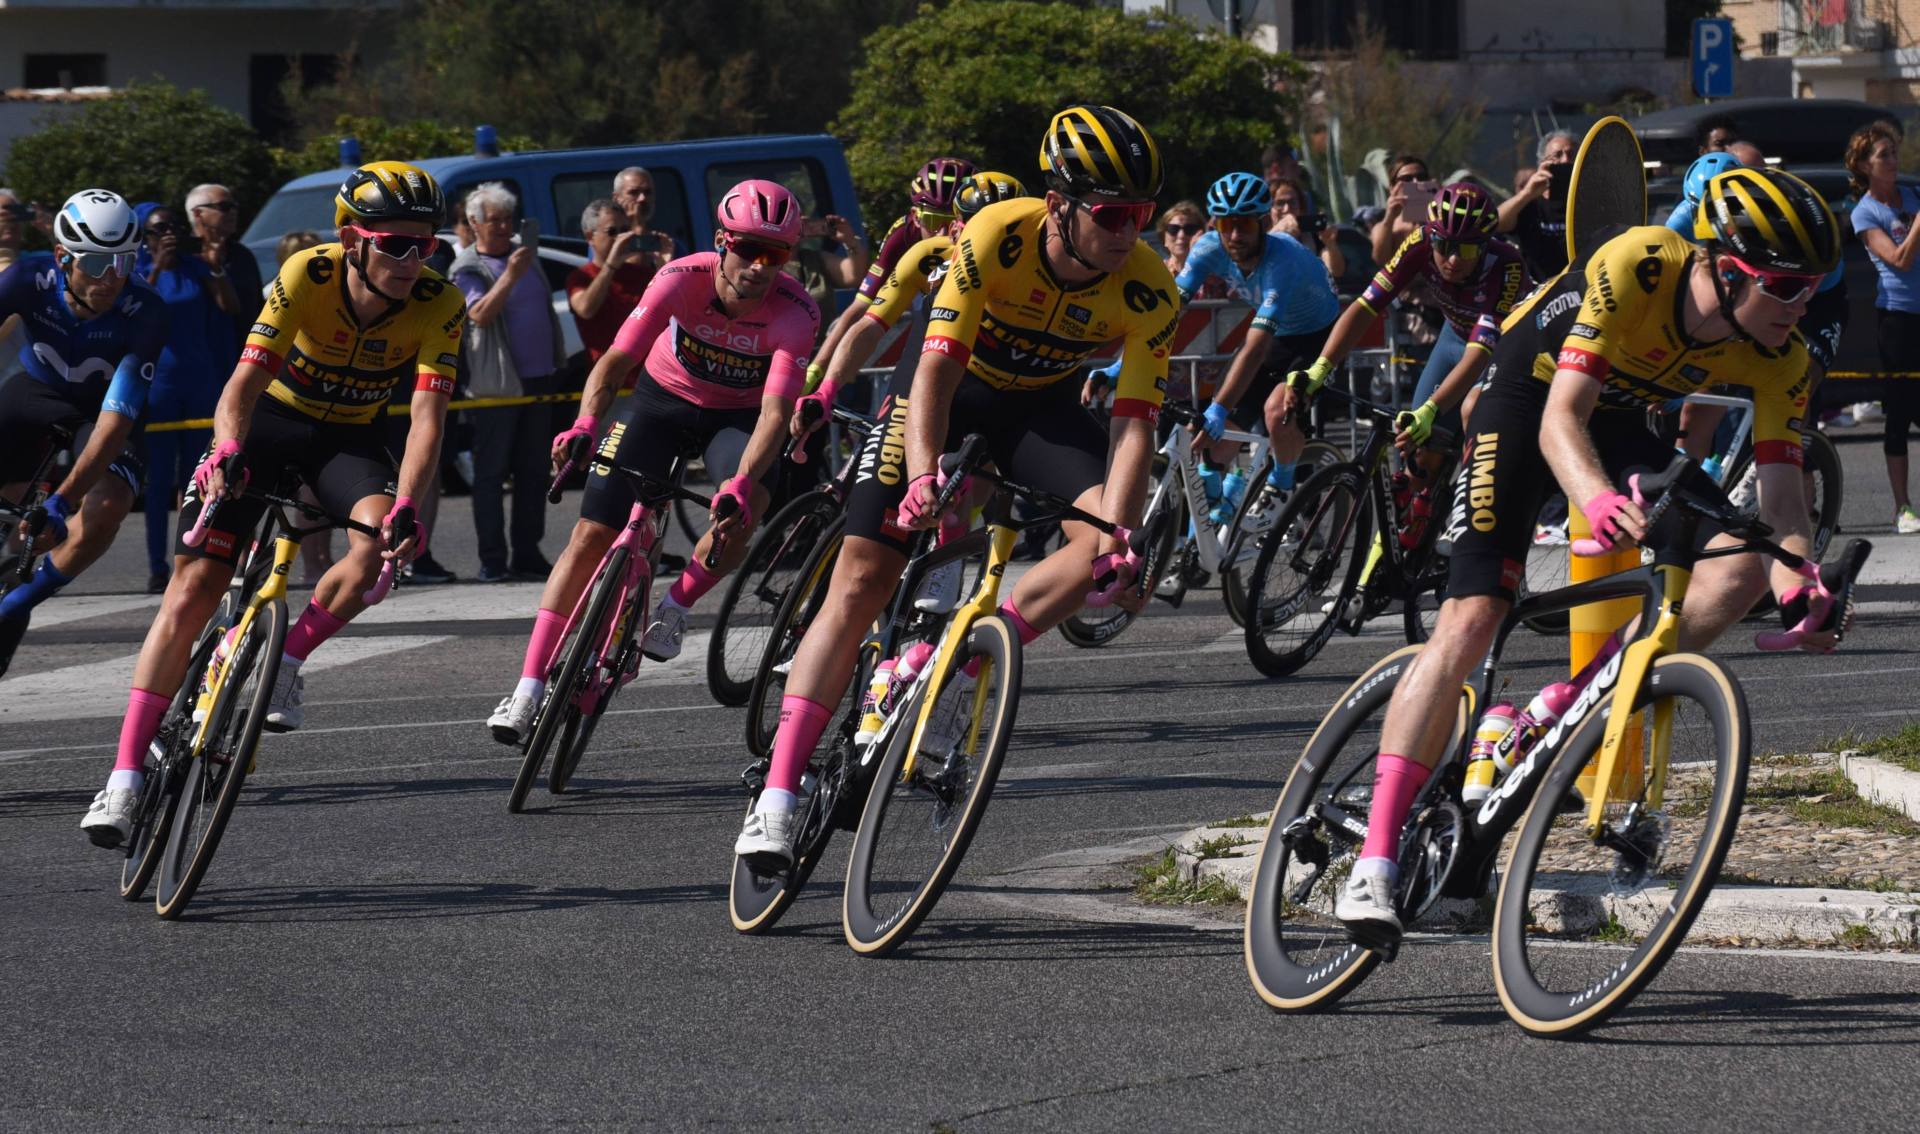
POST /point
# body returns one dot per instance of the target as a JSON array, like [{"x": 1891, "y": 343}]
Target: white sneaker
[
  {"x": 952, "y": 714},
  {"x": 1366, "y": 906},
  {"x": 1550, "y": 535},
  {"x": 1865, "y": 412},
  {"x": 110, "y": 817},
  {"x": 784, "y": 667},
  {"x": 662, "y": 642},
  {"x": 285, "y": 711},
  {"x": 767, "y": 838},
  {"x": 1841, "y": 420},
  {"x": 1265, "y": 509},
  {"x": 940, "y": 588},
  {"x": 513, "y": 716},
  {"x": 1906, "y": 522}
]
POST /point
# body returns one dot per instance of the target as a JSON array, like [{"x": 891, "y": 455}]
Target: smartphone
[
  {"x": 529, "y": 233},
  {"x": 814, "y": 226},
  {"x": 1418, "y": 195},
  {"x": 1562, "y": 184}
]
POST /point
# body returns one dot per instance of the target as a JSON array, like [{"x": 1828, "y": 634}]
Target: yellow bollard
[{"x": 1588, "y": 628}]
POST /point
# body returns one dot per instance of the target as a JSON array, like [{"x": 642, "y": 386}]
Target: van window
[
  {"x": 573, "y": 192},
  {"x": 803, "y": 177}
]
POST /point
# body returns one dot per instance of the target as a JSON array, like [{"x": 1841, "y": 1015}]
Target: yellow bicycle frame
[
  {"x": 985, "y": 601},
  {"x": 274, "y": 588},
  {"x": 1636, "y": 662}
]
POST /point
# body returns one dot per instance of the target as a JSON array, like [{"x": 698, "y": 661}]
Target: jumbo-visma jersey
[
  {"x": 1618, "y": 319},
  {"x": 1002, "y": 313},
  {"x": 330, "y": 367},
  {"x": 920, "y": 270}
]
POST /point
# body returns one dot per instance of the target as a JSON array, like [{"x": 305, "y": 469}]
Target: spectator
[
  {"x": 1536, "y": 215},
  {"x": 189, "y": 374},
  {"x": 1884, "y": 220},
  {"x": 1179, "y": 225},
  {"x": 1747, "y": 154},
  {"x": 1403, "y": 174},
  {"x": 513, "y": 347},
  {"x": 633, "y": 192},
  {"x": 823, "y": 272},
  {"x": 1521, "y": 176},
  {"x": 1292, "y": 215},
  {"x": 13, "y": 236},
  {"x": 294, "y": 242},
  {"x": 603, "y": 297},
  {"x": 215, "y": 218},
  {"x": 1279, "y": 162},
  {"x": 1714, "y": 132}
]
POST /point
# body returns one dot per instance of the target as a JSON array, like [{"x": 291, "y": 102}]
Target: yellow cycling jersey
[
  {"x": 329, "y": 366},
  {"x": 918, "y": 271},
  {"x": 1617, "y": 318},
  {"x": 1001, "y": 312}
]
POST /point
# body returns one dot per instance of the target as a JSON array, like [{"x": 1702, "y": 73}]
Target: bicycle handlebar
[
  {"x": 576, "y": 449},
  {"x": 810, "y": 412}
]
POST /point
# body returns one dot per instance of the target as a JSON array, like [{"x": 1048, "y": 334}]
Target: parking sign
[{"x": 1713, "y": 58}]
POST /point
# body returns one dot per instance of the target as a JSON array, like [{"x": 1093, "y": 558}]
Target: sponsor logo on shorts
[{"x": 1486, "y": 448}]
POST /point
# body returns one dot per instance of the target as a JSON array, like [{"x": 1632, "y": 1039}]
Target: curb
[
  {"x": 1880, "y": 782},
  {"x": 1768, "y": 915}
]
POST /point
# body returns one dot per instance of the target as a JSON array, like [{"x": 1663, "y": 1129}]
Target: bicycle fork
[
  {"x": 214, "y": 679},
  {"x": 946, "y": 653}
]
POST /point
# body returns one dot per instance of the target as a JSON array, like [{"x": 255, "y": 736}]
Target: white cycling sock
[
  {"x": 288, "y": 661},
  {"x": 530, "y": 687},
  {"x": 775, "y": 799},
  {"x": 125, "y": 779},
  {"x": 1378, "y": 867}
]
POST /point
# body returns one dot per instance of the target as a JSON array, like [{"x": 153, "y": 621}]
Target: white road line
[{"x": 76, "y": 608}]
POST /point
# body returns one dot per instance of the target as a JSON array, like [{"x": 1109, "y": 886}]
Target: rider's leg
[
  {"x": 571, "y": 573},
  {"x": 89, "y": 533},
  {"x": 1720, "y": 594},
  {"x": 191, "y": 596}
]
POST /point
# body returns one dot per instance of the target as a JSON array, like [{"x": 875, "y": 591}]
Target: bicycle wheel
[
  {"x": 1093, "y": 626},
  {"x": 1547, "y": 564},
  {"x": 796, "y": 613},
  {"x": 1420, "y": 609},
  {"x": 1306, "y": 570},
  {"x": 564, "y": 675},
  {"x": 1581, "y": 927},
  {"x": 755, "y": 591},
  {"x": 215, "y": 776},
  {"x": 160, "y": 794},
  {"x": 577, "y": 727},
  {"x": 756, "y": 900},
  {"x": 917, "y": 826},
  {"x": 1299, "y": 957}
]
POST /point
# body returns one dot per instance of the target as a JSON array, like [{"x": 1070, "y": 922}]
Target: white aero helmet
[{"x": 97, "y": 220}]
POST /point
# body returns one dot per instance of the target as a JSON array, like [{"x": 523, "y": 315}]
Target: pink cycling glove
[
  {"x": 1603, "y": 518},
  {"x": 203, "y": 472}
]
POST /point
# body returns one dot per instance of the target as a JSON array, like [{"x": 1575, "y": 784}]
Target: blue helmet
[
  {"x": 1705, "y": 168},
  {"x": 1239, "y": 195}
]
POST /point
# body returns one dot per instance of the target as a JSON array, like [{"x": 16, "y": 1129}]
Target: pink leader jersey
[{"x": 701, "y": 355}]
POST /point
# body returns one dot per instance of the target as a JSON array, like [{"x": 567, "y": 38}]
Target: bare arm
[
  {"x": 1898, "y": 258},
  {"x": 586, "y": 302},
  {"x": 934, "y": 383},
  {"x": 604, "y": 379},
  {"x": 489, "y": 306},
  {"x": 1569, "y": 450},
  {"x": 1512, "y": 207},
  {"x": 846, "y": 322}
]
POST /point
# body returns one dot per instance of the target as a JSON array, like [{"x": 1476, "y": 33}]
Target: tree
[
  {"x": 150, "y": 142},
  {"x": 981, "y": 78},
  {"x": 381, "y": 140}
]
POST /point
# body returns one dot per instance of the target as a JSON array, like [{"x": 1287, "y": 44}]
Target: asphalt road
[{"x": 381, "y": 945}]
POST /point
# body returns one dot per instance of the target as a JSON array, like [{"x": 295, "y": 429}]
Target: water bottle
[
  {"x": 1711, "y": 466},
  {"x": 1232, "y": 488},
  {"x": 871, "y": 718},
  {"x": 1210, "y": 481},
  {"x": 1494, "y": 727},
  {"x": 1532, "y": 724},
  {"x": 1419, "y": 511}
]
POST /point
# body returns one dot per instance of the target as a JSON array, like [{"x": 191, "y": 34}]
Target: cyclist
[
  {"x": 344, "y": 324},
  {"x": 1294, "y": 309},
  {"x": 1647, "y": 317},
  {"x": 930, "y": 209},
  {"x": 90, "y": 338},
  {"x": 725, "y": 337},
  {"x": 917, "y": 274},
  {"x": 1477, "y": 280},
  {"x": 1034, "y": 287}
]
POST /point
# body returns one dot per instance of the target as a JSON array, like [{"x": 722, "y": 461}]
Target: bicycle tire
[
  {"x": 1421, "y": 607},
  {"x": 1546, "y": 570},
  {"x": 160, "y": 794},
  {"x": 1573, "y": 907},
  {"x": 1091, "y": 627},
  {"x": 563, "y": 675},
  {"x": 577, "y": 728},
  {"x": 1298, "y": 957},
  {"x": 953, "y": 819},
  {"x": 1277, "y": 603},
  {"x": 756, "y": 900},
  {"x": 789, "y": 627},
  {"x": 234, "y": 737},
  {"x": 755, "y": 591}
]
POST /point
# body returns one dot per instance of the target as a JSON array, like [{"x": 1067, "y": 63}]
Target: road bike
[{"x": 1605, "y": 872}]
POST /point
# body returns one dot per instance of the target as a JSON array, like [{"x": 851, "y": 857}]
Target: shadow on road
[{"x": 402, "y": 901}]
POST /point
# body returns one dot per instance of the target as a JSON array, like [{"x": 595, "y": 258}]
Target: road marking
[{"x": 76, "y": 608}]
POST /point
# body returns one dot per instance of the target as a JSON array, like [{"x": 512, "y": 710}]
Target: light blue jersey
[{"x": 1290, "y": 290}]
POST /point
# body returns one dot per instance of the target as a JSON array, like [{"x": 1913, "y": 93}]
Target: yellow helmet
[
  {"x": 1770, "y": 219},
  {"x": 983, "y": 189},
  {"x": 1101, "y": 151},
  {"x": 389, "y": 190}
]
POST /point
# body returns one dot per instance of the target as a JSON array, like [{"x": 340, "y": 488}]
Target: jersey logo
[
  {"x": 425, "y": 289},
  {"x": 265, "y": 330},
  {"x": 1010, "y": 249},
  {"x": 1078, "y": 313},
  {"x": 1647, "y": 274},
  {"x": 47, "y": 280},
  {"x": 1142, "y": 298},
  {"x": 86, "y": 371},
  {"x": 319, "y": 269}
]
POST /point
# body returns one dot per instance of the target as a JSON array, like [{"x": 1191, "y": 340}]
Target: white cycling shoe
[
  {"x": 767, "y": 838},
  {"x": 940, "y": 588},
  {"x": 662, "y": 642},
  {"x": 1366, "y": 907},
  {"x": 286, "y": 709},
  {"x": 513, "y": 717},
  {"x": 110, "y": 817}
]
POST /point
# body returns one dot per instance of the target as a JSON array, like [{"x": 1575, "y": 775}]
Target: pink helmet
[
  {"x": 1462, "y": 211},
  {"x": 762, "y": 210},
  {"x": 938, "y": 182}
]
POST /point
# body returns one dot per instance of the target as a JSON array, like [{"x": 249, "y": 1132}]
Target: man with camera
[{"x": 1537, "y": 214}]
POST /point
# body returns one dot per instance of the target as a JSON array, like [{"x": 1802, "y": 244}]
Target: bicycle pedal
[{"x": 1386, "y": 949}]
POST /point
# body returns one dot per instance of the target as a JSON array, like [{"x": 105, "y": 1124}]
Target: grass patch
[
  {"x": 1158, "y": 881},
  {"x": 1826, "y": 798},
  {"x": 1218, "y": 846},
  {"x": 1856, "y": 936},
  {"x": 1901, "y": 748},
  {"x": 1611, "y": 932},
  {"x": 1245, "y": 821}
]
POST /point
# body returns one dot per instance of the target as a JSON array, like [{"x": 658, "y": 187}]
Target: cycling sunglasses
[
  {"x": 397, "y": 245},
  {"x": 1468, "y": 250},
  {"x": 1255, "y": 223},
  {"x": 1785, "y": 287},
  {"x": 932, "y": 220},
  {"x": 1116, "y": 217},
  {"x": 755, "y": 252},
  {"x": 97, "y": 264}
]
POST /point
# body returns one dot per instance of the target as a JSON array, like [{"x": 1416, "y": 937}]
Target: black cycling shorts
[
  {"x": 1504, "y": 480},
  {"x": 1043, "y": 438},
  {"x": 29, "y": 411},
  {"x": 1822, "y": 326},
  {"x": 1288, "y": 353},
  {"x": 284, "y": 449},
  {"x": 651, "y": 428}
]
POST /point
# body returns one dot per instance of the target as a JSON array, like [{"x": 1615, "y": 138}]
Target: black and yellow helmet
[
  {"x": 983, "y": 189},
  {"x": 1770, "y": 219},
  {"x": 1100, "y": 151},
  {"x": 389, "y": 190}
]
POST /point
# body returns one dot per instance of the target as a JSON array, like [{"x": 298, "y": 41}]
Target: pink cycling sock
[
  {"x": 801, "y": 723},
  {"x": 695, "y": 581},
  {"x": 144, "y": 710},
  {"x": 548, "y": 626},
  {"x": 316, "y": 625},
  {"x": 1021, "y": 627},
  {"x": 1396, "y": 780}
]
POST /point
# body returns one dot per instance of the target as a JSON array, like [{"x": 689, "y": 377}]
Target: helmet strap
[
  {"x": 359, "y": 264},
  {"x": 1723, "y": 293},
  {"x": 1066, "y": 242}
]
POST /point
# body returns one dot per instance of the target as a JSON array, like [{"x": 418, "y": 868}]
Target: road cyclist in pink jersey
[{"x": 723, "y": 340}]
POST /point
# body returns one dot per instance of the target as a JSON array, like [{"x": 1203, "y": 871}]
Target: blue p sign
[{"x": 1713, "y": 58}]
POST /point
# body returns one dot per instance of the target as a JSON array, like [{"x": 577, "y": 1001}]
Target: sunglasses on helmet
[
  {"x": 1786, "y": 287},
  {"x": 97, "y": 264},
  {"x": 753, "y": 251},
  {"x": 397, "y": 245},
  {"x": 1116, "y": 217}
]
